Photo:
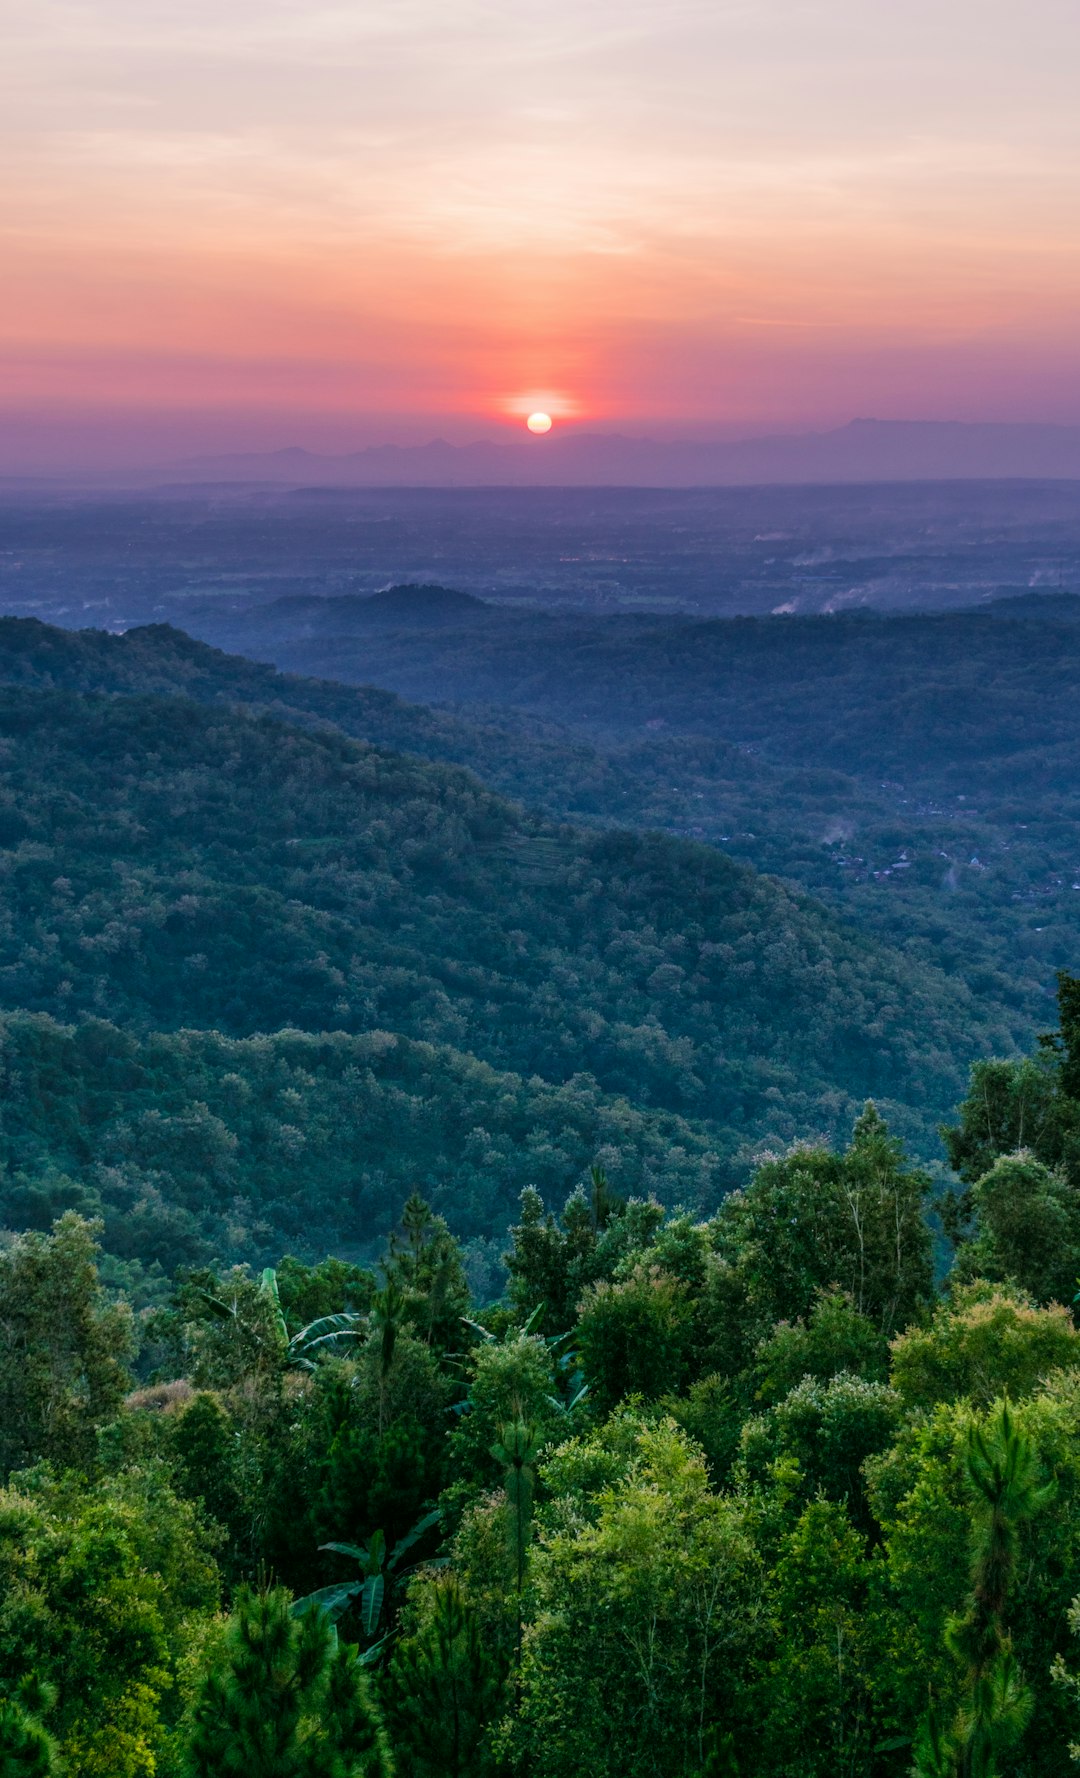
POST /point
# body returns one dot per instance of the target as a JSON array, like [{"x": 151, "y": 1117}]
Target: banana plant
[
  {"x": 565, "y": 1362},
  {"x": 377, "y": 1575},
  {"x": 327, "y": 1335}
]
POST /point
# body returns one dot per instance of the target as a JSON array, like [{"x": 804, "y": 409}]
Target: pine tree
[
  {"x": 282, "y": 1699},
  {"x": 1003, "y": 1474},
  {"x": 27, "y": 1750},
  {"x": 443, "y": 1688},
  {"x": 517, "y": 1451}
]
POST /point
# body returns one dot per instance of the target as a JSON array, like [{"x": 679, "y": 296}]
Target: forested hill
[
  {"x": 919, "y": 772},
  {"x": 947, "y": 695},
  {"x": 168, "y": 865},
  {"x": 195, "y": 1147},
  {"x": 975, "y": 881}
]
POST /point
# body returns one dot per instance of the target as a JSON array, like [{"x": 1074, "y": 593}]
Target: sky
[{"x": 255, "y": 223}]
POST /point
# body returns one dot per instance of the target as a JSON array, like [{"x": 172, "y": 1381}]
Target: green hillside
[
  {"x": 979, "y": 888},
  {"x": 192, "y": 1145},
  {"x": 168, "y": 865},
  {"x": 918, "y": 772}
]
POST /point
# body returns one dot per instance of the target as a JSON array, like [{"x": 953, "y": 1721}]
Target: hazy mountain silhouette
[{"x": 864, "y": 450}]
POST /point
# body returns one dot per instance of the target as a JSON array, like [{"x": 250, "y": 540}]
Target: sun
[{"x": 539, "y": 422}]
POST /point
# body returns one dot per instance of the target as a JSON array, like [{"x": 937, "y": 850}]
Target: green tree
[
  {"x": 27, "y": 1750},
  {"x": 635, "y": 1336},
  {"x": 1011, "y": 1108},
  {"x": 817, "y": 1688},
  {"x": 817, "y": 1220},
  {"x": 1003, "y": 1473},
  {"x": 425, "y": 1266},
  {"x": 510, "y": 1379},
  {"x": 985, "y": 1340},
  {"x": 647, "y": 1605},
  {"x": 281, "y": 1698},
  {"x": 829, "y": 1429},
  {"x": 516, "y": 1452},
  {"x": 1026, "y": 1228},
  {"x": 834, "y": 1337},
  {"x": 443, "y": 1689},
  {"x": 105, "y": 1587},
  {"x": 63, "y": 1347}
]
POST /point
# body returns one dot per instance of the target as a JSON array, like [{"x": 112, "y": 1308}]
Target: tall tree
[
  {"x": 1004, "y": 1477},
  {"x": 27, "y": 1750},
  {"x": 443, "y": 1687},
  {"x": 63, "y": 1347},
  {"x": 281, "y": 1698}
]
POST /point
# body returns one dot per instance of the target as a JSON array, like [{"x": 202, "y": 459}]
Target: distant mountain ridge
[{"x": 863, "y": 451}]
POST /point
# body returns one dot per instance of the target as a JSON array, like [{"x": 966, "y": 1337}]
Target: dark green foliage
[
  {"x": 1068, "y": 1040},
  {"x": 817, "y": 1219},
  {"x": 63, "y": 1347},
  {"x": 918, "y": 771},
  {"x": 833, "y": 1338},
  {"x": 1007, "y": 1489},
  {"x": 172, "y": 865},
  {"x": 27, "y": 1750},
  {"x": 1026, "y": 1228},
  {"x": 178, "y": 867},
  {"x": 443, "y": 1689},
  {"x": 635, "y": 1336},
  {"x": 192, "y": 1143},
  {"x": 282, "y": 1699},
  {"x": 829, "y": 1429}
]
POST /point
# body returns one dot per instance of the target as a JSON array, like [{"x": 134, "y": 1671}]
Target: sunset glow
[
  {"x": 257, "y": 224},
  {"x": 539, "y": 422}
]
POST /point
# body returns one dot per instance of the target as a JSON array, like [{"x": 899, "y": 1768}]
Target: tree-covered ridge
[
  {"x": 166, "y": 865},
  {"x": 191, "y": 1145},
  {"x": 919, "y": 772},
  {"x": 972, "y": 877},
  {"x": 953, "y": 693},
  {"x": 748, "y": 1494}
]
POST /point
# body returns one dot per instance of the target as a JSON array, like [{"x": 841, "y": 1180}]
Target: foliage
[
  {"x": 63, "y": 1347},
  {"x": 1026, "y": 1228},
  {"x": 103, "y": 1586},
  {"x": 635, "y": 1336},
  {"x": 443, "y": 1689},
  {"x": 27, "y": 1750},
  {"x": 172, "y": 866},
  {"x": 833, "y": 1338},
  {"x": 281, "y": 1698},
  {"x": 1003, "y": 1474},
  {"x": 986, "y": 1340},
  {"x": 645, "y": 1617},
  {"x": 817, "y": 1220}
]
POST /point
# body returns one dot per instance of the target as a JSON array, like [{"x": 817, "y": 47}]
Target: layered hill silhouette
[
  {"x": 865, "y": 450},
  {"x": 178, "y": 865}
]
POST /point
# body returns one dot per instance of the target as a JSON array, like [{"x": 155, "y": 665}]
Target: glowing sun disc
[{"x": 539, "y": 422}]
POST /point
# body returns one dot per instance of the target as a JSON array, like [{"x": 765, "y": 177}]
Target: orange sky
[{"x": 261, "y": 223}]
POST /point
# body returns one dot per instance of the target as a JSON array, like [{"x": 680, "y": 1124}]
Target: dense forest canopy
[
  {"x": 192, "y": 1146},
  {"x": 983, "y": 891},
  {"x": 744, "y": 1494},
  {"x": 169, "y": 865},
  {"x": 329, "y": 1447},
  {"x": 967, "y": 867},
  {"x": 917, "y": 771}
]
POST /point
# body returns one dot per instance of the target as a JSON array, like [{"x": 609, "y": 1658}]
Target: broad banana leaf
[
  {"x": 371, "y": 1603},
  {"x": 349, "y": 1549},
  {"x": 406, "y": 1543},
  {"x": 332, "y": 1601}
]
